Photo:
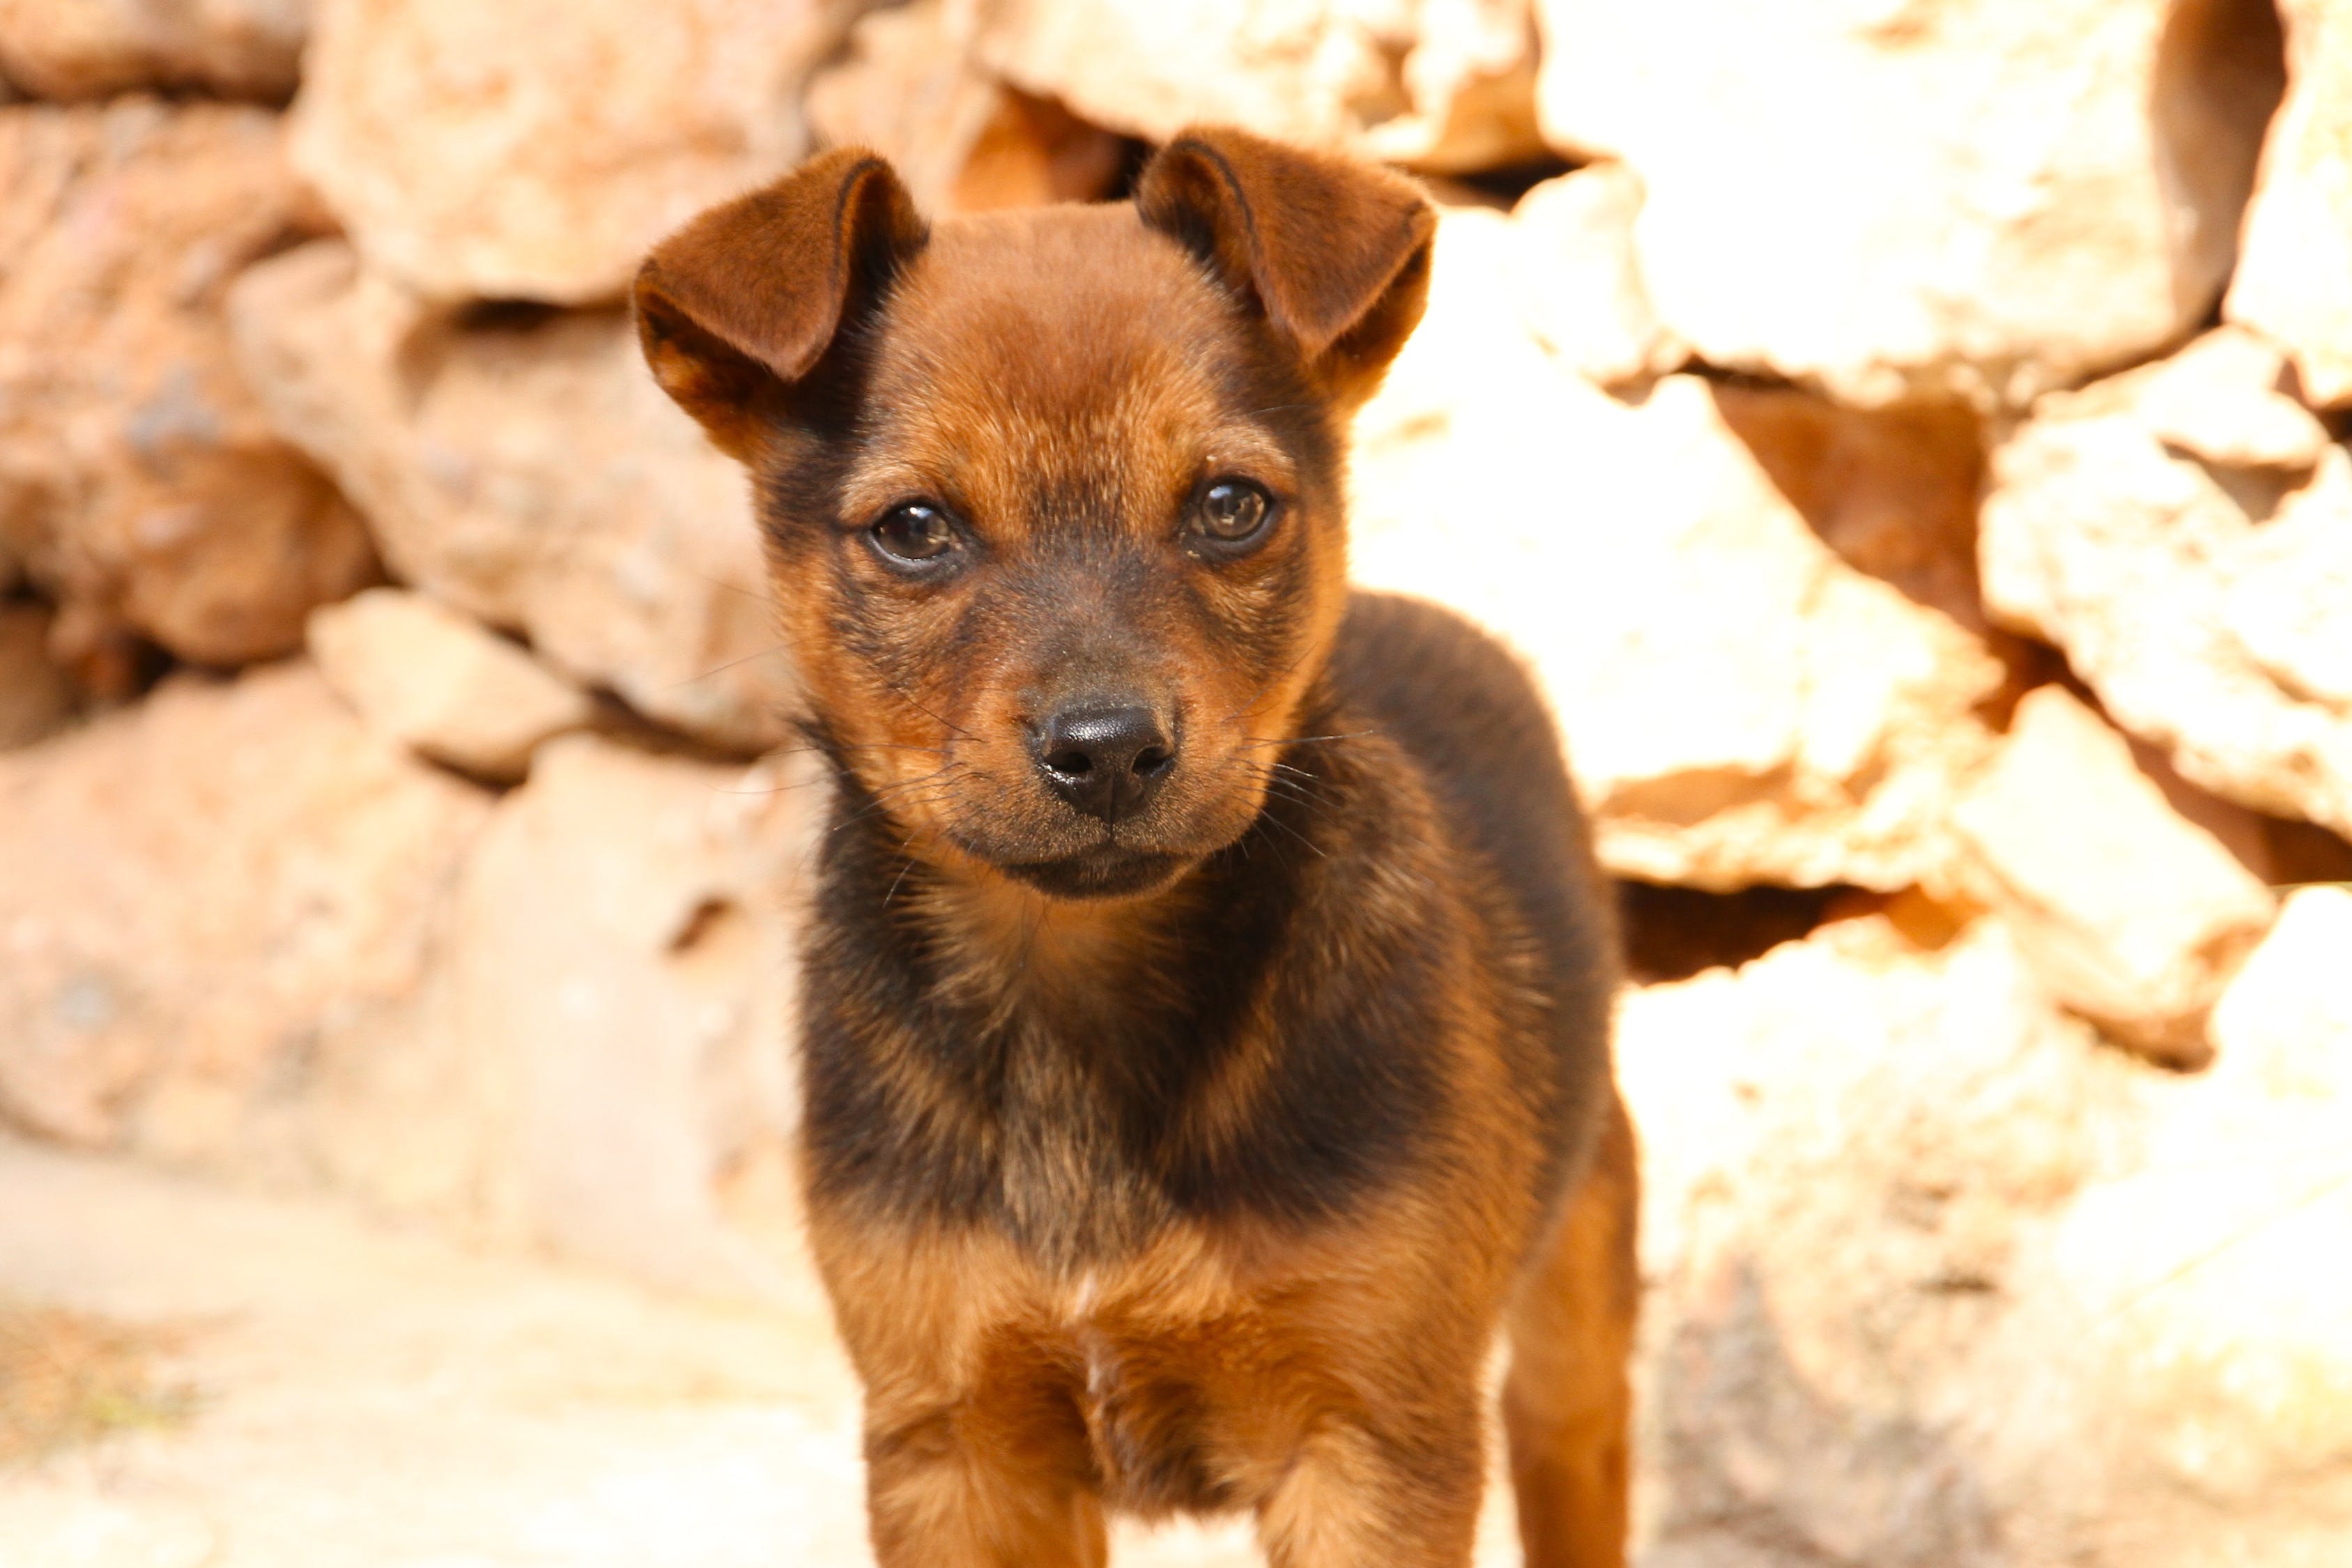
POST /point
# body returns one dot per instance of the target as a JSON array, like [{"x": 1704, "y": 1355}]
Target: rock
[
  {"x": 1581, "y": 288},
  {"x": 1894, "y": 492},
  {"x": 1845, "y": 1145},
  {"x": 35, "y": 695},
  {"x": 2276, "y": 850},
  {"x": 140, "y": 482},
  {"x": 525, "y": 469},
  {"x": 1895, "y": 203},
  {"x": 1932, "y": 1280},
  {"x": 1739, "y": 706},
  {"x": 961, "y": 140},
  {"x": 1445, "y": 85},
  {"x": 2128, "y": 914},
  {"x": 607, "y": 1041},
  {"x": 536, "y": 149},
  {"x": 430, "y": 678},
  {"x": 203, "y": 892},
  {"x": 91, "y": 49},
  {"x": 2222, "y": 399},
  {"x": 2295, "y": 278},
  {"x": 2198, "y": 592},
  {"x": 2285, "y": 1026},
  {"x": 2202, "y": 1294}
]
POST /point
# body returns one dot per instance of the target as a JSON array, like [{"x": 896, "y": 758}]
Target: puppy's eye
[
  {"x": 1233, "y": 512},
  {"x": 913, "y": 535}
]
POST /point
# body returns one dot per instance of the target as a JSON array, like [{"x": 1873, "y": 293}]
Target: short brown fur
[{"x": 1183, "y": 1121}]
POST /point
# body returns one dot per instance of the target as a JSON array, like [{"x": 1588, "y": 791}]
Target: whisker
[
  {"x": 910, "y": 865},
  {"x": 771, "y": 651},
  {"x": 1255, "y": 743},
  {"x": 1273, "y": 821}
]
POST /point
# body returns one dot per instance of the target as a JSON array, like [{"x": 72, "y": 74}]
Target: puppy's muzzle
[{"x": 1106, "y": 759}]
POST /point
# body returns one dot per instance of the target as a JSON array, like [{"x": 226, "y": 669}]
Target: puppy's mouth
[{"x": 1107, "y": 870}]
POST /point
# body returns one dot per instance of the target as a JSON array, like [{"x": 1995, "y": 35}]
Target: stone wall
[{"x": 1907, "y": 440}]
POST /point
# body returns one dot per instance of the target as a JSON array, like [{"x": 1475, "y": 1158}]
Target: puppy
[{"x": 1206, "y": 1001}]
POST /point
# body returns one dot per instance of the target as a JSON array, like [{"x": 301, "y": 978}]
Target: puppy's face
[{"x": 1054, "y": 507}]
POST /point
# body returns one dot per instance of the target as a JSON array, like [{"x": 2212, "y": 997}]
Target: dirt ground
[{"x": 193, "y": 1378}]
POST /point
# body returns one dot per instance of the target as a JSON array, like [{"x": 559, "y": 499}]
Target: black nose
[{"x": 1106, "y": 761}]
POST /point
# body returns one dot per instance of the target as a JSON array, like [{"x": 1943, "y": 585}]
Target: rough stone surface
[
  {"x": 529, "y": 472},
  {"x": 2128, "y": 914},
  {"x": 2294, "y": 279},
  {"x": 140, "y": 482},
  {"x": 89, "y": 48},
  {"x": 909, "y": 87},
  {"x": 2200, "y": 1296},
  {"x": 35, "y": 695},
  {"x": 535, "y": 149},
  {"x": 1441, "y": 85},
  {"x": 434, "y": 681},
  {"x": 1581, "y": 288},
  {"x": 203, "y": 892},
  {"x": 2284, "y": 1027},
  {"x": 1893, "y": 491},
  {"x": 1740, "y": 705},
  {"x": 1903, "y": 201},
  {"x": 2195, "y": 579},
  {"x": 601, "y": 1054},
  {"x": 1936, "y": 1280}
]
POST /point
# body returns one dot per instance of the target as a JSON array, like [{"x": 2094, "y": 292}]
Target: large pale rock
[
  {"x": 534, "y": 149},
  {"x": 2130, "y": 915},
  {"x": 434, "y": 680},
  {"x": 1894, "y": 201},
  {"x": 140, "y": 482},
  {"x": 1936, "y": 1280},
  {"x": 35, "y": 695},
  {"x": 1842, "y": 1142},
  {"x": 2184, "y": 532},
  {"x": 89, "y": 48},
  {"x": 203, "y": 891},
  {"x": 2200, "y": 1298},
  {"x": 605, "y": 1043},
  {"x": 1581, "y": 288},
  {"x": 1739, "y": 705},
  {"x": 909, "y": 87},
  {"x": 529, "y": 473},
  {"x": 2285, "y": 1026},
  {"x": 2294, "y": 279},
  {"x": 1443, "y": 85}
]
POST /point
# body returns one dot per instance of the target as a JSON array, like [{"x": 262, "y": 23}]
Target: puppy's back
[{"x": 1465, "y": 710}]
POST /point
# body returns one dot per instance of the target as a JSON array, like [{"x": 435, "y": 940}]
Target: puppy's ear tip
[
  {"x": 1318, "y": 239},
  {"x": 750, "y": 295}
]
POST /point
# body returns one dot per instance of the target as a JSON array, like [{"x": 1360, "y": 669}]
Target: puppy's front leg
[
  {"x": 973, "y": 1486},
  {"x": 1354, "y": 1497}
]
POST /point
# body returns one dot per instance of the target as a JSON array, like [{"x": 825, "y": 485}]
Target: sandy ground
[{"x": 362, "y": 1398}]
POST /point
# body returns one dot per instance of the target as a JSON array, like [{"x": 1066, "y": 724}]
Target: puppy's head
[{"x": 1053, "y": 499}]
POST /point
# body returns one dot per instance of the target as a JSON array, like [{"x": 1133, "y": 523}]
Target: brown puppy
[{"x": 1207, "y": 1000}]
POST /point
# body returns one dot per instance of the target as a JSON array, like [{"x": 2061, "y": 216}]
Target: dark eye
[
  {"x": 1233, "y": 512},
  {"x": 913, "y": 535}
]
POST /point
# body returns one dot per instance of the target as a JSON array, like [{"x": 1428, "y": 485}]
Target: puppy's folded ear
[
  {"x": 741, "y": 304},
  {"x": 1335, "y": 250}
]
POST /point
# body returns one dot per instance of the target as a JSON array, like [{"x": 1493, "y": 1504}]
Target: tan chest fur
[{"x": 1185, "y": 1376}]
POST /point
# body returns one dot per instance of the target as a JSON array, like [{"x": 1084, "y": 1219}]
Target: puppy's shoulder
[
  {"x": 1467, "y": 713},
  {"x": 1460, "y": 703}
]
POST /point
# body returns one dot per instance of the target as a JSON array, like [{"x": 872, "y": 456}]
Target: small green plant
[{"x": 69, "y": 1378}]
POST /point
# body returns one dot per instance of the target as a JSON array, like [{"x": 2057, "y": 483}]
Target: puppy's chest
[
  {"x": 1175, "y": 1419},
  {"x": 1076, "y": 1173}
]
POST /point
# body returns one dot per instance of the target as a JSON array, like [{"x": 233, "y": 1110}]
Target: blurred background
[{"x": 1905, "y": 436}]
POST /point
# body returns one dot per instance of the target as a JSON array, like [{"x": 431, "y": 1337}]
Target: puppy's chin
[{"x": 1104, "y": 871}]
